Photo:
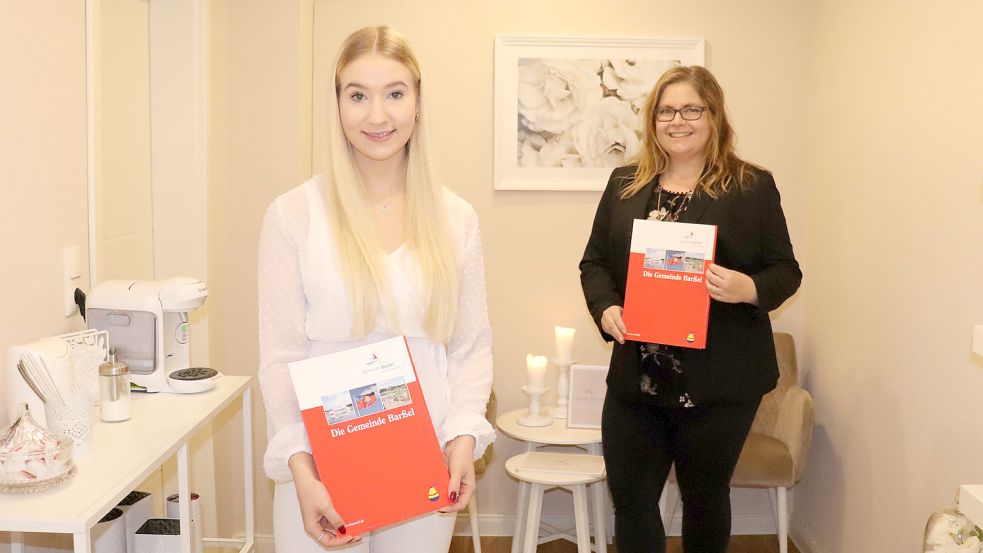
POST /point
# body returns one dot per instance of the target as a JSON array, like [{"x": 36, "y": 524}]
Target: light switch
[{"x": 978, "y": 340}]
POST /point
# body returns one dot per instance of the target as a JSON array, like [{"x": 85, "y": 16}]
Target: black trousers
[{"x": 641, "y": 443}]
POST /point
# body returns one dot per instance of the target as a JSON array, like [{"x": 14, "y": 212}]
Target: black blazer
[{"x": 739, "y": 362}]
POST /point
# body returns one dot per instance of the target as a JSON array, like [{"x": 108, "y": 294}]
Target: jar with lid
[
  {"x": 949, "y": 530},
  {"x": 114, "y": 389}
]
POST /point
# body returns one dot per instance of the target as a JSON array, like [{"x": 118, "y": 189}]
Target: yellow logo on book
[
  {"x": 690, "y": 338},
  {"x": 432, "y": 494}
]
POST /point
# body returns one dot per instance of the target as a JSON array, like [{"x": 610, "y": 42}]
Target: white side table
[
  {"x": 123, "y": 454},
  {"x": 554, "y": 434}
]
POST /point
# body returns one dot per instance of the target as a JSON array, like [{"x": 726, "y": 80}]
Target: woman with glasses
[{"x": 669, "y": 405}]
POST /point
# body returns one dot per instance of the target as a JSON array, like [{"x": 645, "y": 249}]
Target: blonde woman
[
  {"x": 667, "y": 405},
  {"x": 372, "y": 249}
]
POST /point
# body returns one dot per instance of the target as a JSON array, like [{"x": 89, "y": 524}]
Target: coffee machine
[{"x": 147, "y": 323}]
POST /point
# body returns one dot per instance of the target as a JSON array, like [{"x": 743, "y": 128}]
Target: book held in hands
[
  {"x": 666, "y": 299},
  {"x": 373, "y": 443}
]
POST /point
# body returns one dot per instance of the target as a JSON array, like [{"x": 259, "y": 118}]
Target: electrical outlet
[{"x": 71, "y": 278}]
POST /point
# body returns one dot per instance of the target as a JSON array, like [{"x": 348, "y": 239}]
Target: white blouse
[{"x": 304, "y": 311}]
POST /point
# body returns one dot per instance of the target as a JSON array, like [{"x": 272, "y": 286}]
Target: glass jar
[
  {"x": 114, "y": 390},
  {"x": 950, "y": 531},
  {"x": 31, "y": 458}
]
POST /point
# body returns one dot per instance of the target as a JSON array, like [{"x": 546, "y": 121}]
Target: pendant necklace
[{"x": 662, "y": 213}]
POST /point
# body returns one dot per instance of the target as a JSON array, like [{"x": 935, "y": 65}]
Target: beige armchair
[{"x": 776, "y": 450}]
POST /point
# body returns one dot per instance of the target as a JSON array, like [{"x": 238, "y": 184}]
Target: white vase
[
  {"x": 173, "y": 511},
  {"x": 137, "y": 507},
  {"x": 109, "y": 534}
]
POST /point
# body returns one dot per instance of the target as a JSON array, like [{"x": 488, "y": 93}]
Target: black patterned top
[{"x": 663, "y": 381}]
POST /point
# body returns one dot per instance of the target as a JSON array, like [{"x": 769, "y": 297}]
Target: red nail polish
[
  {"x": 453, "y": 497},
  {"x": 342, "y": 531}
]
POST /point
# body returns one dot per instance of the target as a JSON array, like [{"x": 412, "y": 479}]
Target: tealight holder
[
  {"x": 535, "y": 416},
  {"x": 562, "y": 388}
]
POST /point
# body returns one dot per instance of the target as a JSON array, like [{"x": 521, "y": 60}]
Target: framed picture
[
  {"x": 587, "y": 389},
  {"x": 566, "y": 108}
]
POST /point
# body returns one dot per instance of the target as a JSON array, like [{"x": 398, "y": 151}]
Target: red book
[
  {"x": 373, "y": 443},
  {"x": 666, "y": 300}
]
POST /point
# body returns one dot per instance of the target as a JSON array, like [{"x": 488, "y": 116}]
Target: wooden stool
[{"x": 545, "y": 478}]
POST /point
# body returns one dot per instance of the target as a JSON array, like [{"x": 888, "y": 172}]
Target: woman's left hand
[
  {"x": 727, "y": 286},
  {"x": 459, "y": 454}
]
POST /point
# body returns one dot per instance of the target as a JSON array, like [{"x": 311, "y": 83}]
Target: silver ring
[{"x": 321, "y": 535}]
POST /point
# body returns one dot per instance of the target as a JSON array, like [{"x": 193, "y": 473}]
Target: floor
[{"x": 501, "y": 544}]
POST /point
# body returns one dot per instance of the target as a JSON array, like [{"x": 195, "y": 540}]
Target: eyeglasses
[{"x": 689, "y": 113}]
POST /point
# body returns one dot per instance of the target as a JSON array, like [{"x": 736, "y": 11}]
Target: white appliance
[{"x": 147, "y": 321}]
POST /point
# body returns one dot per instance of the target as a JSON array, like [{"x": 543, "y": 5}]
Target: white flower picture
[
  {"x": 568, "y": 109},
  {"x": 582, "y": 113}
]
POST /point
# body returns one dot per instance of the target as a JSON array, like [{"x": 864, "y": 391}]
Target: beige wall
[
  {"x": 124, "y": 199},
  {"x": 895, "y": 216},
  {"x": 42, "y": 163},
  {"x": 533, "y": 240},
  {"x": 42, "y": 168},
  {"x": 257, "y": 148}
]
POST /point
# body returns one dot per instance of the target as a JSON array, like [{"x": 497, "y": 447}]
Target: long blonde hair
[
  {"x": 427, "y": 231},
  {"x": 723, "y": 170}
]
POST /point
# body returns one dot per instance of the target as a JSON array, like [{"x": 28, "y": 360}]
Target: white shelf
[{"x": 121, "y": 455}]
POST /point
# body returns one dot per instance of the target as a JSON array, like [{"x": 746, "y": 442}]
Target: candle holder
[
  {"x": 535, "y": 417},
  {"x": 562, "y": 388}
]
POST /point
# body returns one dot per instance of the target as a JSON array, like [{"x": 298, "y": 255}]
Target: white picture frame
[
  {"x": 586, "y": 398},
  {"x": 574, "y": 144}
]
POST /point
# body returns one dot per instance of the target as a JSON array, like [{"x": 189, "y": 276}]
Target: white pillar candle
[
  {"x": 564, "y": 343},
  {"x": 536, "y": 367}
]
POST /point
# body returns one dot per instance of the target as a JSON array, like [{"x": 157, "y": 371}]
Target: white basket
[{"x": 90, "y": 348}]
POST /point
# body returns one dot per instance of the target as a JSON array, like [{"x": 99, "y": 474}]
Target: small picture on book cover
[
  {"x": 655, "y": 258},
  {"x": 338, "y": 407},
  {"x": 395, "y": 393},
  {"x": 693, "y": 262},
  {"x": 367, "y": 400},
  {"x": 674, "y": 260}
]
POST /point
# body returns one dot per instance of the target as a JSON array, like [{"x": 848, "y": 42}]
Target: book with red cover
[
  {"x": 373, "y": 443},
  {"x": 666, "y": 300}
]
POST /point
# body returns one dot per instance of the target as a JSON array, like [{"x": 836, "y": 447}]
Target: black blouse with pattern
[{"x": 663, "y": 381}]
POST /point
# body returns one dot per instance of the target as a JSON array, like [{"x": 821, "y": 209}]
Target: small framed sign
[{"x": 587, "y": 389}]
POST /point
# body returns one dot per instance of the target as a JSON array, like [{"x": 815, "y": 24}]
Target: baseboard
[
  {"x": 263, "y": 543},
  {"x": 503, "y": 525},
  {"x": 802, "y": 537}
]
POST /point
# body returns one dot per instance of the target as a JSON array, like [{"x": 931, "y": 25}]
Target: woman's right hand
[
  {"x": 321, "y": 522},
  {"x": 612, "y": 323}
]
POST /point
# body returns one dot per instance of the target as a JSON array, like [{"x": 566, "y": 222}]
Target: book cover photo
[
  {"x": 373, "y": 443},
  {"x": 666, "y": 299}
]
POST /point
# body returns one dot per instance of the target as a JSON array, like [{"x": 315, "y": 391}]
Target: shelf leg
[
  {"x": 184, "y": 497},
  {"x": 83, "y": 542},
  {"x": 247, "y": 456}
]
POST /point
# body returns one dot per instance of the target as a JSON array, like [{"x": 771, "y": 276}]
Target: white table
[
  {"x": 554, "y": 434},
  {"x": 122, "y": 455}
]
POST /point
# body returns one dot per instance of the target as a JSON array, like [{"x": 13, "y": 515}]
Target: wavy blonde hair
[
  {"x": 722, "y": 170},
  {"x": 426, "y": 228}
]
